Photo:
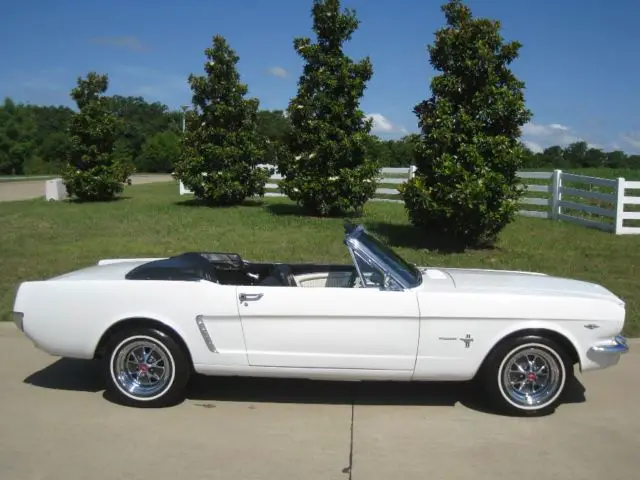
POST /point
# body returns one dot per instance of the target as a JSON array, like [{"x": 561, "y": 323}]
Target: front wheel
[
  {"x": 145, "y": 367},
  {"x": 527, "y": 375}
]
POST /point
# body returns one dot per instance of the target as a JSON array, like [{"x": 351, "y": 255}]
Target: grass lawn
[{"x": 41, "y": 239}]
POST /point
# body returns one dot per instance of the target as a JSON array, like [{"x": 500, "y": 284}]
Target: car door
[{"x": 345, "y": 328}]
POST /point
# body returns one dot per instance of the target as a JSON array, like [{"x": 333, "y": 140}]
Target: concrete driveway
[
  {"x": 56, "y": 424},
  {"x": 17, "y": 190}
]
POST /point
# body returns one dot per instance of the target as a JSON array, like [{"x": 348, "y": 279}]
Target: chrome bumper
[{"x": 619, "y": 346}]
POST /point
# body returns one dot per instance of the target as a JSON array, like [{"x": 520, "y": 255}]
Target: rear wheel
[
  {"x": 145, "y": 367},
  {"x": 527, "y": 375}
]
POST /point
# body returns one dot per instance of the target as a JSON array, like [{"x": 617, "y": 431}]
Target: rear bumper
[
  {"x": 606, "y": 354},
  {"x": 18, "y": 320}
]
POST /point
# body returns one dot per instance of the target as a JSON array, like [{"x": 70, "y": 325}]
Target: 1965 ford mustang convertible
[{"x": 153, "y": 322}]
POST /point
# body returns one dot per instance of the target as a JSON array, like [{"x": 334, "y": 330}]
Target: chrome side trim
[
  {"x": 205, "y": 334},
  {"x": 619, "y": 346}
]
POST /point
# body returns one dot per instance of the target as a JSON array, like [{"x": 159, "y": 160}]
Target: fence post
[
  {"x": 556, "y": 195},
  {"x": 620, "y": 188},
  {"x": 412, "y": 171}
]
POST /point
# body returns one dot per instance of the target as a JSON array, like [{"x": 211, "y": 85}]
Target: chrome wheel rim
[
  {"x": 531, "y": 377},
  {"x": 142, "y": 368}
]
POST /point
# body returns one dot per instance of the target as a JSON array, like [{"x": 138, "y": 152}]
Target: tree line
[
  {"x": 579, "y": 155},
  {"x": 34, "y": 140},
  {"x": 467, "y": 152}
]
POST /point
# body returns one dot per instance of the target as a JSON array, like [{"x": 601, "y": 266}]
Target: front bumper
[
  {"x": 605, "y": 354},
  {"x": 617, "y": 347}
]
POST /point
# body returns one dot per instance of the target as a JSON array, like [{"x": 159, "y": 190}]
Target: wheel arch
[
  {"x": 562, "y": 340},
  {"x": 140, "y": 322}
]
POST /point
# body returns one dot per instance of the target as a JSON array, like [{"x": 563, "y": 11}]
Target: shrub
[
  {"x": 325, "y": 168},
  {"x": 222, "y": 146},
  {"x": 466, "y": 188},
  {"x": 92, "y": 171}
]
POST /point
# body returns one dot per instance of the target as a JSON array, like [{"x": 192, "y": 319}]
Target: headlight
[{"x": 18, "y": 318}]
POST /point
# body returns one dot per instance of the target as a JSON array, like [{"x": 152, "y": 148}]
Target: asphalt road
[
  {"x": 12, "y": 191},
  {"x": 55, "y": 423}
]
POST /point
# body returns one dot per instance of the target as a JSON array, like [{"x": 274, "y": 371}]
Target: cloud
[
  {"x": 632, "y": 138},
  {"x": 538, "y": 130},
  {"x": 382, "y": 125},
  {"x": 154, "y": 85},
  {"x": 278, "y": 72},
  {"x": 129, "y": 42},
  {"x": 533, "y": 146},
  {"x": 538, "y": 136}
]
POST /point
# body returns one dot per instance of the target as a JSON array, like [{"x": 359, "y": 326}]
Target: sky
[{"x": 576, "y": 60}]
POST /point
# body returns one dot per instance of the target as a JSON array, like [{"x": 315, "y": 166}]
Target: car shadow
[
  {"x": 371, "y": 393},
  {"x": 69, "y": 374},
  {"x": 86, "y": 376},
  {"x": 408, "y": 236}
]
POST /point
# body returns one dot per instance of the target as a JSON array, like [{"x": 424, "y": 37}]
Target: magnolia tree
[
  {"x": 325, "y": 168},
  {"x": 93, "y": 172},
  {"x": 222, "y": 146},
  {"x": 466, "y": 189}
]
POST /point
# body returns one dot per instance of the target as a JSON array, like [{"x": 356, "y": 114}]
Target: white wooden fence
[
  {"x": 590, "y": 201},
  {"x": 395, "y": 176}
]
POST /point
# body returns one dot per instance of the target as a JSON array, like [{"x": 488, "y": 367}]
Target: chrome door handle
[{"x": 250, "y": 297}]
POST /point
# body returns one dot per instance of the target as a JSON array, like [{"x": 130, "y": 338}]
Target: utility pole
[{"x": 184, "y": 117}]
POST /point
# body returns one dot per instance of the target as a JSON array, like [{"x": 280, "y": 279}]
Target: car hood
[{"x": 515, "y": 282}]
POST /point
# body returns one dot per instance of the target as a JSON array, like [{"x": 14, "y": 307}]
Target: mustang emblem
[{"x": 467, "y": 340}]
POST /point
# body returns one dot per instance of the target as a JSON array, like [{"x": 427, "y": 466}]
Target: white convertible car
[{"x": 156, "y": 321}]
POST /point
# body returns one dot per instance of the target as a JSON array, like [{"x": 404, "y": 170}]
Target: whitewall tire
[
  {"x": 145, "y": 367},
  {"x": 526, "y": 375}
]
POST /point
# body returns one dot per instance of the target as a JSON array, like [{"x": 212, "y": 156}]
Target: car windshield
[{"x": 408, "y": 272}]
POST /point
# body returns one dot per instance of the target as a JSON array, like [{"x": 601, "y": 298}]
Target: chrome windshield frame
[{"x": 353, "y": 235}]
